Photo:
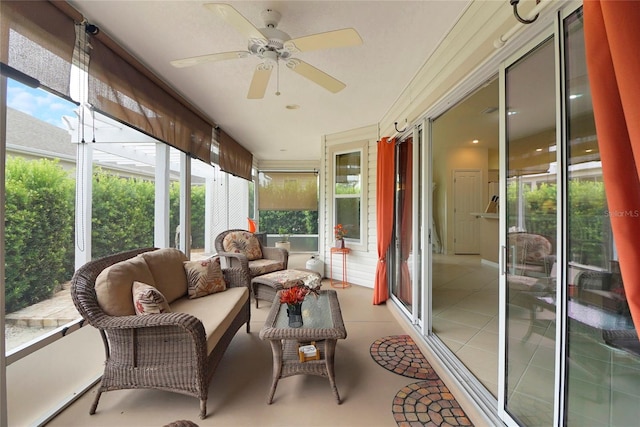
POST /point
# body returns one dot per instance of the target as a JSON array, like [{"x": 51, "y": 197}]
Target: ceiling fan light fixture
[{"x": 270, "y": 56}]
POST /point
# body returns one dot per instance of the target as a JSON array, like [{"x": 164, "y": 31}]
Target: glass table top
[{"x": 316, "y": 313}]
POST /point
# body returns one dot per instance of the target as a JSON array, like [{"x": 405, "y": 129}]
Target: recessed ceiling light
[
  {"x": 292, "y": 107},
  {"x": 511, "y": 113},
  {"x": 475, "y": 141},
  {"x": 588, "y": 151},
  {"x": 575, "y": 96},
  {"x": 538, "y": 149}
]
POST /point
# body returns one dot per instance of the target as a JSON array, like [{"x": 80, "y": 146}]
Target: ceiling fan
[{"x": 272, "y": 45}]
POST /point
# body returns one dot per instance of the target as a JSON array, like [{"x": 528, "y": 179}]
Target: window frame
[{"x": 360, "y": 147}]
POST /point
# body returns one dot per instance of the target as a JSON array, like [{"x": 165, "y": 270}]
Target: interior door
[{"x": 467, "y": 194}]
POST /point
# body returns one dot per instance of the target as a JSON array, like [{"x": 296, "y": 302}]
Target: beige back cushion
[
  {"x": 242, "y": 242},
  {"x": 114, "y": 285},
  {"x": 168, "y": 272}
]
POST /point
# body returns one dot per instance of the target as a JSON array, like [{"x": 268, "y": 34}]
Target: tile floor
[{"x": 465, "y": 313}]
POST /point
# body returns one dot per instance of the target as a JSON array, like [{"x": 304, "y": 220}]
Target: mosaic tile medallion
[
  {"x": 428, "y": 403},
  {"x": 425, "y": 403},
  {"x": 401, "y": 355}
]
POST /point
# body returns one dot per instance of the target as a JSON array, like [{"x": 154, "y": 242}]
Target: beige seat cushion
[
  {"x": 259, "y": 267},
  {"x": 168, "y": 272},
  {"x": 215, "y": 311},
  {"x": 114, "y": 285}
]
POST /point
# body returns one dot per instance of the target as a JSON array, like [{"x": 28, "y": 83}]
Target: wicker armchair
[
  {"x": 166, "y": 351},
  {"x": 241, "y": 249}
]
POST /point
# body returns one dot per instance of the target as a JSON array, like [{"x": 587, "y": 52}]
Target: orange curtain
[
  {"x": 612, "y": 42},
  {"x": 384, "y": 210}
]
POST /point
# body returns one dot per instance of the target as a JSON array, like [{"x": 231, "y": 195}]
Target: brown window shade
[
  {"x": 38, "y": 39},
  {"x": 288, "y": 191},
  {"x": 234, "y": 158},
  {"x": 119, "y": 89}
]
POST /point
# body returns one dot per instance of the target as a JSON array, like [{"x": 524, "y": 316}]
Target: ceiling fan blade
[
  {"x": 196, "y": 60},
  {"x": 260, "y": 81},
  {"x": 315, "y": 75},
  {"x": 338, "y": 38},
  {"x": 233, "y": 17}
]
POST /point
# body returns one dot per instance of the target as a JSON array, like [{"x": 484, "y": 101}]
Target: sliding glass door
[{"x": 530, "y": 250}]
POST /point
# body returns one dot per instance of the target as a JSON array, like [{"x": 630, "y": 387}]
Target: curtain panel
[
  {"x": 37, "y": 39},
  {"x": 384, "y": 212},
  {"x": 234, "y": 158},
  {"x": 612, "y": 43}
]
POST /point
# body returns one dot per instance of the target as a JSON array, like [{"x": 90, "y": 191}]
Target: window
[
  {"x": 39, "y": 211},
  {"x": 349, "y": 185},
  {"x": 288, "y": 208}
]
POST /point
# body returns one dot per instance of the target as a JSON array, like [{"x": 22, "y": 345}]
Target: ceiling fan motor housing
[{"x": 275, "y": 43}]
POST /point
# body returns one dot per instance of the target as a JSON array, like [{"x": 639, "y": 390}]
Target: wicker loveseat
[
  {"x": 177, "y": 350},
  {"x": 249, "y": 252}
]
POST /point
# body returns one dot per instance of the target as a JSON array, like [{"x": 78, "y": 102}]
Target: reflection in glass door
[
  {"x": 531, "y": 226},
  {"x": 402, "y": 285}
]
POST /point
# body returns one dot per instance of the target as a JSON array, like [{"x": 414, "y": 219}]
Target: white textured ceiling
[{"x": 398, "y": 37}]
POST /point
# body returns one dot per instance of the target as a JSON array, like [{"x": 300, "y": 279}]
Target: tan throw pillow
[
  {"x": 204, "y": 277},
  {"x": 148, "y": 300}
]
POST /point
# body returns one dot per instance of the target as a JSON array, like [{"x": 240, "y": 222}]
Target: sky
[{"x": 39, "y": 103}]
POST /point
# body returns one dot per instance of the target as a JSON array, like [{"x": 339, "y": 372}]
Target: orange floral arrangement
[
  {"x": 339, "y": 231},
  {"x": 294, "y": 295}
]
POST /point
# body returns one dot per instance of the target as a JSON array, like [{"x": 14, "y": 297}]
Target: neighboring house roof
[{"x": 28, "y": 135}]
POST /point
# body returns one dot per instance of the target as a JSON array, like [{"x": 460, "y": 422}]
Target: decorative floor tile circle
[
  {"x": 428, "y": 403},
  {"x": 425, "y": 403},
  {"x": 401, "y": 355}
]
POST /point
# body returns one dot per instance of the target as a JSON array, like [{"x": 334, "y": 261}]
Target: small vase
[
  {"x": 340, "y": 243},
  {"x": 294, "y": 312}
]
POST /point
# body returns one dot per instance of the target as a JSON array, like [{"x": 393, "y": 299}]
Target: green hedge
[
  {"x": 38, "y": 230},
  {"x": 289, "y": 222},
  {"x": 39, "y": 224},
  {"x": 588, "y": 224}
]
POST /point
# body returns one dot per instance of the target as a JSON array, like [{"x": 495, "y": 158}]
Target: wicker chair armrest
[
  {"x": 185, "y": 321},
  {"x": 234, "y": 260},
  {"x": 278, "y": 254}
]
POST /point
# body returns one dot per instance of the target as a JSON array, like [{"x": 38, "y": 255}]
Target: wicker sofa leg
[
  {"x": 203, "y": 408},
  {"x": 95, "y": 402}
]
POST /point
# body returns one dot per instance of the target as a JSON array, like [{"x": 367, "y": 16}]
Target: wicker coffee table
[
  {"x": 322, "y": 323},
  {"x": 266, "y": 286}
]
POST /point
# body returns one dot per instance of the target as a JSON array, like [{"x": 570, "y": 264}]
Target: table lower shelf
[{"x": 289, "y": 364}]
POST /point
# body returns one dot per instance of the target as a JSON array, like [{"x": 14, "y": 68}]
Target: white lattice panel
[
  {"x": 238, "y": 202},
  {"x": 227, "y": 205}
]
